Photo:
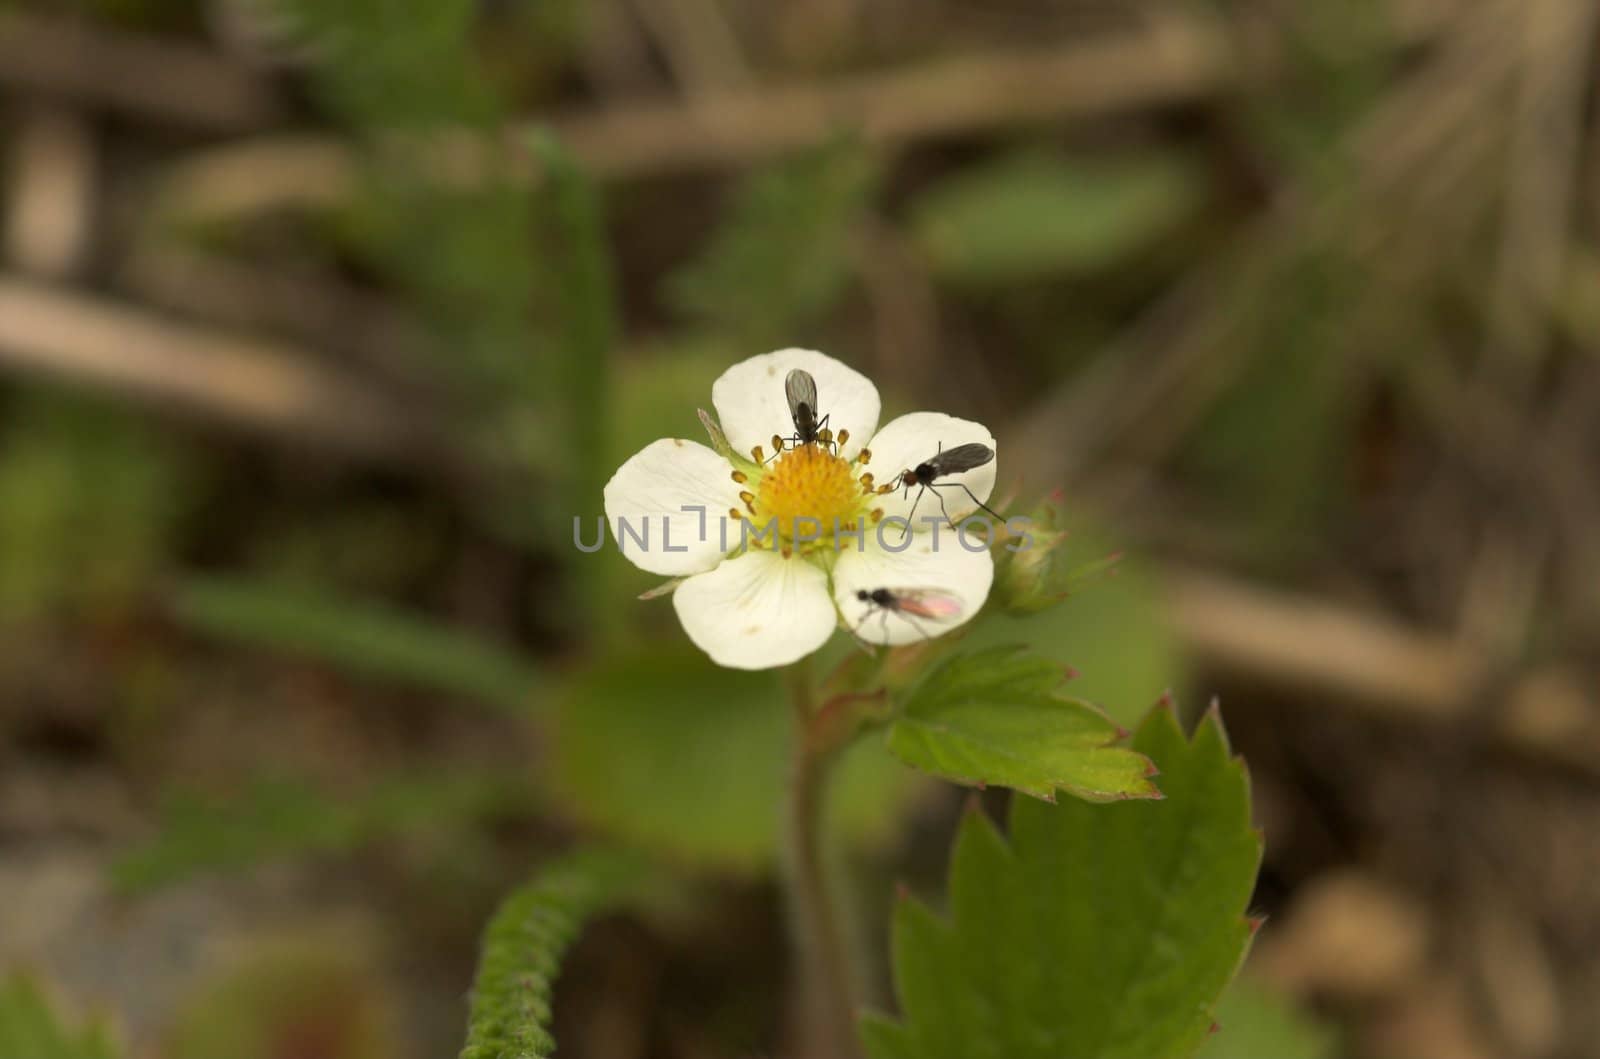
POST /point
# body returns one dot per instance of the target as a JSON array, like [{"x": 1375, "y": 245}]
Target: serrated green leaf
[
  {"x": 660, "y": 750},
  {"x": 364, "y": 639},
  {"x": 1032, "y": 214},
  {"x": 997, "y": 717},
  {"x": 31, "y": 1028},
  {"x": 523, "y": 945},
  {"x": 1095, "y": 932}
]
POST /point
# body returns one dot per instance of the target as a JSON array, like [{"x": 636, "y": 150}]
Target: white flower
[{"x": 753, "y": 599}]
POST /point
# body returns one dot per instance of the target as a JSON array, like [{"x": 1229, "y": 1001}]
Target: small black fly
[
  {"x": 925, "y": 476},
  {"x": 801, "y": 390},
  {"x": 932, "y": 604}
]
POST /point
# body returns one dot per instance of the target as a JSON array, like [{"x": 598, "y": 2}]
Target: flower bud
[{"x": 1032, "y": 572}]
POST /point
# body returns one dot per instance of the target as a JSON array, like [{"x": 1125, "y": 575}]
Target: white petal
[
  {"x": 915, "y": 438},
  {"x": 757, "y": 611},
  {"x": 752, "y": 405},
  {"x": 935, "y": 562},
  {"x": 650, "y": 492}
]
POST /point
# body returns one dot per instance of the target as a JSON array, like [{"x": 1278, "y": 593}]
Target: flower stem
[{"x": 827, "y": 979}]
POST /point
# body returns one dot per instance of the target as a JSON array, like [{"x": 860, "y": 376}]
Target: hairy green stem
[{"x": 827, "y": 977}]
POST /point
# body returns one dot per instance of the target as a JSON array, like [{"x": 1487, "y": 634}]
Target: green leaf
[
  {"x": 1284, "y": 495},
  {"x": 784, "y": 253},
  {"x": 321, "y": 983},
  {"x": 31, "y": 1028},
  {"x": 276, "y": 818},
  {"x": 1115, "y": 633},
  {"x": 1095, "y": 932},
  {"x": 996, "y": 716},
  {"x": 1254, "y": 1023},
  {"x": 513, "y": 275},
  {"x": 582, "y": 297},
  {"x": 361, "y": 638},
  {"x": 1032, "y": 214},
  {"x": 89, "y": 504},
  {"x": 523, "y": 945},
  {"x": 663, "y": 751},
  {"x": 379, "y": 71}
]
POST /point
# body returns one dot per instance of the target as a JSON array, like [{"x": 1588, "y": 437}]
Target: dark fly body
[
  {"x": 911, "y": 604},
  {"x": 801, "y": 390},
  {"x": 925, "y": 476}
]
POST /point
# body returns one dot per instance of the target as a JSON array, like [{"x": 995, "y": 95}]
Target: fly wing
[
  {"x": 932, "y": 603},
  {"x": 801, "y": 390},
  {"x": 961, "y": 458}
]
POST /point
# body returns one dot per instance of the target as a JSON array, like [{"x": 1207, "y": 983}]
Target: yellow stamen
[
  {"x": 760, "y": 457},
  {"x": 864, "y": 456},
  {"x": 740, "y": 477},
  {"x": 808, "y": 484},
  {"x": 844, "y": 436}
]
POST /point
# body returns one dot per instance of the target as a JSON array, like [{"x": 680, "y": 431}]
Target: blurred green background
[{"x": 320, "y": 321}]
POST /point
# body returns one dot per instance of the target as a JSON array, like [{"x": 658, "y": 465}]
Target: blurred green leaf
[
  {"x": 1292, "y": 385},
  {"x": 1113, "y": 632},
  {"x": 88, "y": 505},
  {"x": 583, "y": 300},
  {"x": 665, "y": 751},
  {"x": 292, "y": 996},
  {"x": 996, "y": 717},
  {"x": 1042, "y": 570},
  {"x": 363, "y": 639},
  {"x": 1337, "y": 63},
  {"x": 1254, "y": 1023},
  {"x": 783, "y": 253},
  {"x": 350, "y": 544},
  {"x": 1031, "y": 215},
  {"x": 462, "y": 248},
  {"x": 382, "y": 67},
  {"x": 523, "y": 945},
  {"x": 513, "y": 273},
  {"x": 277, "y": 818},
  {"x": 1096, "y": 931},
  {"x": 658, "y": 393},
  {"x": 30, "y": 1028}
]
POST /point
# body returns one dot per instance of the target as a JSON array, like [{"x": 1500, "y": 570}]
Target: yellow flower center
[
  {"x": 808, "y": 482},
  {"x": 805, "y": 496}
]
